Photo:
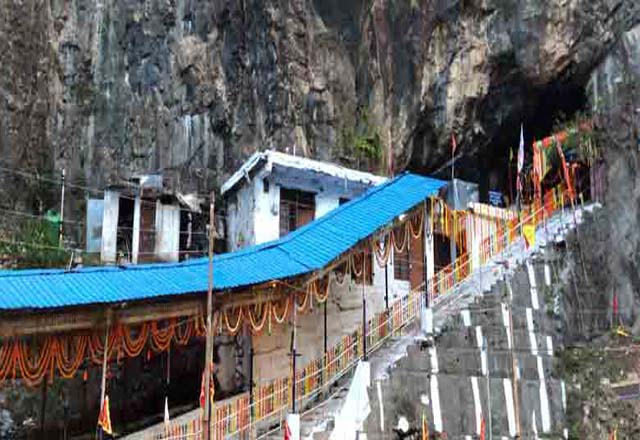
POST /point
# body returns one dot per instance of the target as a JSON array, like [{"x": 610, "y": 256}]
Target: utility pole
[
  {"x": 61, "y": 229},
  {"x": 209, "y": 341}
]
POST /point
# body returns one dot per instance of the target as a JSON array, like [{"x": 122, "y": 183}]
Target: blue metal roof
[{"x": 307, "y": 249}]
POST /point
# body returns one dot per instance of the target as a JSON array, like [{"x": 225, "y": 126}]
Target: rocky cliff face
[
  {"x": 112, "y": 88},
  {"x": 612, "y": 246}
]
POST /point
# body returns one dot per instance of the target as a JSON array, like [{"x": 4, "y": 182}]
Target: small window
[
  {"x": 265, "y": 185},
  {"x": 401, "y": 265},
  {"x": 297, "y": 208},
  {"x": 343, "y": 200},
  {"x": 401, "y": 261}
]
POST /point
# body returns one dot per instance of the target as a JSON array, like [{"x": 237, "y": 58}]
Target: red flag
[
  {"x": 615, "y": 304},
  {"x": 202, "y": 396},
  {"x": 454, "y": 145},
  {"x": 211, "y": 388},
  {"x": 287, "y": 431},
  {"x": 104, "y": 419},
  {"x": 482, "y": 429},
  {"x": 537, "y": 169}
]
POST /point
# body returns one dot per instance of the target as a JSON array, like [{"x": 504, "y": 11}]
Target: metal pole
[
  {"x": 428, "y": 243},
  {"x": 251, "y": 355},
  {"x": 209, "y": 341},
  {"x": 364, "y": 306},
  {"x": 325, "y": 325},
  {"x": 386, "y": 286},
  {"x": 61, "y": 230},
  {"x": 293, "y": 358}
]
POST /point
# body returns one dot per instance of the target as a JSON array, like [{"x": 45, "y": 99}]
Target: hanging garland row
[
  {"x": 65, "y": 355},
  {"x": 397, "y": 238},
  {"x": 449, "y": 222},
  {"x": 21, "y": 358}
]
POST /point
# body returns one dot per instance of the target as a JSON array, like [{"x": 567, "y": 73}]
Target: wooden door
[{"x": 416, "y": 272}]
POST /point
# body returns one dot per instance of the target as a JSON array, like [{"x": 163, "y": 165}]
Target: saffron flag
[
  {"x": 529, "y": 232},
  {"x": 104, "y": 419},
  {"x": 482, "y": 429},
  {"x": 211, "y": 388},
  {"x": 425, "y": 427},
  {"x": 537, "y": 169},
  {"x": 454, "y": 144},
  {"x": 287, "y": 431},
  {"x": 202, "y": 392}
]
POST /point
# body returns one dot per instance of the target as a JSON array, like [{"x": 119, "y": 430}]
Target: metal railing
[{"x": 272, "y": 400}]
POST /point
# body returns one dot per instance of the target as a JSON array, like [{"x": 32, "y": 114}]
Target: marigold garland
[
  {"x": 274, "y": 310},
  {"x": 66, "y": 366},
  {"x": 303, "y": 307},
  {"x": 382, "y": 256},
  {"x": 132, "y": 347},
  {"x": 233, "y": 329},
  {"x": 342, "y": 281},
  {"x": 183, "y": 337},
  {"x": 420, "y": 216},
  {"x": 354, "y": 271},
  {"x": 256, "y": 328},
  {"x": 404, "y": 238}
]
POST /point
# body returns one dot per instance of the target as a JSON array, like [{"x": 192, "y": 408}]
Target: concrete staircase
[{"x": 501, "y": 316}]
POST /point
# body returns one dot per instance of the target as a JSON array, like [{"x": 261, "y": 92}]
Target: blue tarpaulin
[{"x": 305, "y": 250}]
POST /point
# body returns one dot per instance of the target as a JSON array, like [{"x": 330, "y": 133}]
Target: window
[
  {"x": 401, "y": 265},
  {"x": 343, "y": 200},
  {"x": 297, "y": 208},
  {"x": 401, "y": 259}
]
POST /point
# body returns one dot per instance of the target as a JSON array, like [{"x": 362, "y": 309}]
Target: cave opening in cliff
[{"x": 492, "y": 163}]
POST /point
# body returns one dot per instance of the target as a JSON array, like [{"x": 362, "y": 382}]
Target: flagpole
[
  {"x": 209, "y": 340},
  {"x": 105, "y": 357},
  {"x": 453, "y": 249}
]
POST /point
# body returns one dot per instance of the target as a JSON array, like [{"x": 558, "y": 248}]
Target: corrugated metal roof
[{"x": 309, "y": 248}]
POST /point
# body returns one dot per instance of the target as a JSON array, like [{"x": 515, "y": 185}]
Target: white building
[
  {"x": 139, "y": 222},
  {"x": 274, "y": 193}
]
